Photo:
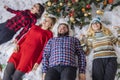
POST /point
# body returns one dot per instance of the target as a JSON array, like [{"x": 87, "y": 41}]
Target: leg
[
  {"x": 2, "y": 25},
  {"x": 5, "y": 33},
  {"x": 52, "y": 74},
  {"x": 9, "y": 71},
  {"x": 111, "y": 69},
  {"x": 98, "y": 70},
  {"x": 17, "y": 75},
  {"x": 69, "y": 73}
]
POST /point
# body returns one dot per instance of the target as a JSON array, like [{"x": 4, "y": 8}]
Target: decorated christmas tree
[{"x": 77, "y": 12}]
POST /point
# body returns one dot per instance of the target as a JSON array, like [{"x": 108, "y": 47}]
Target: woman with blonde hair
[
  {"x": 101, "y": 40},
  {"x": 28, "y": 53}
]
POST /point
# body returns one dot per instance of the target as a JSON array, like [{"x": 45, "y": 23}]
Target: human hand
[
  {"x": 35, "y": 66},
  {"x": 16, "y": 49},
  {"x": 6, "y": 7},
  {"x": 82, "y": 36},
  {"x": 116, "y": 27},
  {"x": 43, "y": 76},
  {"x": 82, "y": 76}
]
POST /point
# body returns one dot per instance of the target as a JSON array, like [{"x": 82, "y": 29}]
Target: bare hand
[
  {"x": 82, "y": 36},
  {"x": 16, "y": 48},
  {"x": 15, "y": 41},
  {"x": 82, "y": 76},
  {"x": 116, "y": 27},
  {"x": 43, "y": 76},
  {"x": 6, "y": 7},
  {"x": 35, "y": 66}
]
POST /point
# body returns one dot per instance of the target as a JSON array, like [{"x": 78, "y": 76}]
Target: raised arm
[{"x": 11, "y": 10}]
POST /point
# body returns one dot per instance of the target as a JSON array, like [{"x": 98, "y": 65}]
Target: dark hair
[
  {"x": 63, "y": 24},
  {"x": 65, "y": 34},
  {"x": 41, "y": 10},
  {"x": 66, "y": 26}
]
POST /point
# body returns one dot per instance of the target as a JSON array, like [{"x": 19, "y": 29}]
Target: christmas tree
[{"x": 78, "y": 12}]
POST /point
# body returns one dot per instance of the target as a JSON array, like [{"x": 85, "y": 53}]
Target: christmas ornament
[
  {"x": 74, "y": 11},
  {"x": 58, "y": 10},
  {"x": 71, "y": 14},
  {"x": 69, "y": 4},
  {"x": 99, "y": 12},
  {"x": 61, "y": 4},
  {"x": 46, "y": 15},
  {"x": 89, "y": 13},
  {"x": 88, "y": 6},
  {"x": 72, "y": 19},
  {"x": 49, "y": 3},
  {"x": 110, "y": 1},
  {"x": 105, "y": 2},
  {"x": 86, "y": 14},
  {"x": 76, "y": 0},
  {"x": 97, "y": 0},
  {"x": 83, "y": 10}
]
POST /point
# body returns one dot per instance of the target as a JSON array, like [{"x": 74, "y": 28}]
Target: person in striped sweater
[{"x": 101, "y": 40}]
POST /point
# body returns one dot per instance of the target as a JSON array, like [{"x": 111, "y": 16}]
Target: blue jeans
[{"x": 104, "y": 68}]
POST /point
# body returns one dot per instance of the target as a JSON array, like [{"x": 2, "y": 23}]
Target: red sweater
[{"x": 31, "y": 47}]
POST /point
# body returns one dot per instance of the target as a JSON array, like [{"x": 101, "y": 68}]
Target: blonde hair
[
  {"x": 91, "y": 33},
  {"x": 53, "y": 21}
]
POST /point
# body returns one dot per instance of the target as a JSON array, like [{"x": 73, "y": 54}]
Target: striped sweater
[
  {"x": 102, "y": 45},
  {"x": 118, "y": 32}
]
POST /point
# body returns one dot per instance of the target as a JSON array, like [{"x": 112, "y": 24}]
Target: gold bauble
[
  {"x": 76, "y": 0},
  {"x": 99, "y": 12},
  {"x": 49, "y": 3},
  {"x": 61, "y": 4},
  {"x": 69, "y": 4},
  {"x": 89, "y": 13},
  {"x": 86, "y": 14},
  {"x": 83, "y": 10},
  {"x": 58, "y": 10},
  {"x": 46, "y": 15},
  {"x": 97, "y": 0},
  {"x": 105, "y": 2},
  {"x": 72, "y": 19}
]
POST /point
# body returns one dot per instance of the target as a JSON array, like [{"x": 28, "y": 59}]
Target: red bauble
[
  {"x": 73, "y": 1},
  {"x": 88, "y": 6},
  {"x": 55, "y": 1},
  {"x": 110, "y": 1},
  {"x": 71, "y": 14}
]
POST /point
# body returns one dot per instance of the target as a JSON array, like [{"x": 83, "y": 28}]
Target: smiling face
[
  {"x": 63, "y": 30},
  {"x": 96, "y": 26},
  {"x": 47, "y": 23},
  {"x": 35, "y": 8}
]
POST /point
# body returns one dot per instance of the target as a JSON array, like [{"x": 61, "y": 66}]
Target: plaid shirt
[
  {"x": 23, "y": 19},
  {"x": 62, "y": 51}
]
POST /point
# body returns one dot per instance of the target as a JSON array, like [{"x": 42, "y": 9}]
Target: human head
[
  {"x": 96, "y": 25},
  {"x": 49, "y": 22},
  {"x": 38, "y": 10},
  {"x": 63, "y": 30}
]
